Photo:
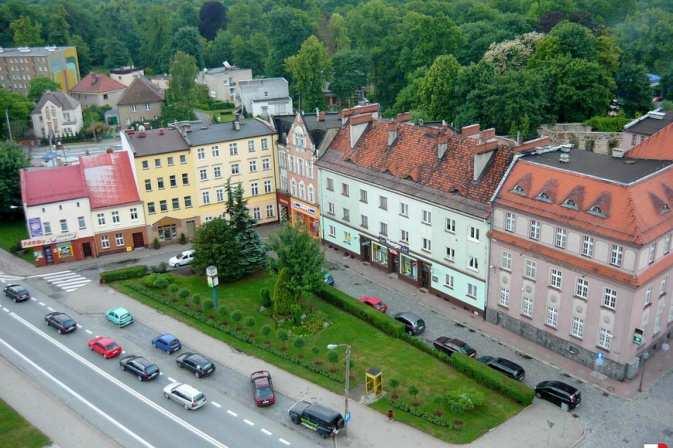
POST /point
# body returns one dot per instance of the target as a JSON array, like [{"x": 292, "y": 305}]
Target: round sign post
[{"x": 213, "y": 281}]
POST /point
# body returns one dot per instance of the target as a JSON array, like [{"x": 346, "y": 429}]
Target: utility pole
[{"x": 9, "y": 126}]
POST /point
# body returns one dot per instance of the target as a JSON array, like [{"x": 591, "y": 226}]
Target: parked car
[
  {"x": 375, "y": 303},
  {"x": 61, "y": 321},
  {"x": 186, "y": 395},
  {"x": 329, "y": 280},
  {"x": 559, "y": 393},
  {"x": 166, "y": 342},
  {"x": 17, "y": 293},
  {"x": 505, "y": 366},
  {"x": 140, "y": 367},
  {"x": 182, "y": 259},
  {"x": 105, "y": 346},
  {"x": 315, "y": 417},
  {"x": 197, "y": 364},
  {"x": 119, "y": 316},
  {"x": 452, "y": 345},
  {"x": 262, "y": 388},
  {"x": 414, "y": 324}
]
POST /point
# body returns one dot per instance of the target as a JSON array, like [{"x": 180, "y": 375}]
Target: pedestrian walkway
[{"x": 66, "y": 280}]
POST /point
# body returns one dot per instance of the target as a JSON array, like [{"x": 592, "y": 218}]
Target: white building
[
  {"x": 223, "y": 82},
  {"x": 57, "y": 114},
  {"x": 266, "y": 97}
]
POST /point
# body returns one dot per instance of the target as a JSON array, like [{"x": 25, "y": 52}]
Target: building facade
[
  {"x": 640, "y": 129},
  {"x": 140, "y": 103},
  {"x": 96, "y": 89},
  {"x": 580, "y": 256},
  {"x": 56, "y": 115},
  {"x": 266, "y": 97},
  {"x": 19, "y": 65},
  {"x": 126, "y": 75},
  {"x": 223, "y": 82}
]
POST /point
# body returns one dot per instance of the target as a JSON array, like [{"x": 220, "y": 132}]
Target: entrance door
[
  {"x": 48, "y": 255},
  {"x": 365, "y": 247},
  {"x": 86, "y": 249},
  {"x": 425, "y": 275},
  {"x": 138, "y": 240},
  {"x": 191, "y": 228}
]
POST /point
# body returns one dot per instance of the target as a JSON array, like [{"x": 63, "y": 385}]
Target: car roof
[
  {"x": 15, "y": 286},
  {"x": 197, "y": 357},
  {"x": 167, "y": 337},
  {"x": 105, "y": 340},
  {"x": 408, "y": 315},
  {"x": 322, "y": 412},
  {"x": 261, "y": 381},
  {"x": 187, "y": 252},
  {"x": 188, "y": 390},
  {"x": 507, "y": 363},
  {"x": 371, "y": 299},
  {"x": 118, "y": 310}
]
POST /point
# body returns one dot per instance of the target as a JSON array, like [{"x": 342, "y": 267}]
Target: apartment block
[{"x": 19, "y": 65}]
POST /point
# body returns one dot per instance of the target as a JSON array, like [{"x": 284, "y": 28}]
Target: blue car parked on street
[
  {"x": 166, "y": 342},
  {"x": 329, "y": 280}
]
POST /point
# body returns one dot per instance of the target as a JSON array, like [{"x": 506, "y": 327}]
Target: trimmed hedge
[
  {"x": 123, "y": 274},
  {"x": 515, "y": 390}
]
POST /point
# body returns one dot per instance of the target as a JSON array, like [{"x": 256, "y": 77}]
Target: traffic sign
[
  {"x": 347, "y": 417},
  {"x": 600, "y": 359}
]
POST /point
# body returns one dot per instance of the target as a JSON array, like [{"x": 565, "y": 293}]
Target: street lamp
[{"x": 347, "y": 383}]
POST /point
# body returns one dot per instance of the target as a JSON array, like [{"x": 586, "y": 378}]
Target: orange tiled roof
[
  {"x": 97, "y": 83},
  {"x": 658, "y": 146}
]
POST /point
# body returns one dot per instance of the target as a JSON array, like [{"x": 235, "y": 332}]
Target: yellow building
[
  {"x": 164, "y": 172},
  {"x": 242, "y": 151}
]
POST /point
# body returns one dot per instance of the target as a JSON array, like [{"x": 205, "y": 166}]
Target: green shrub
[
  {"x": 223, "y": 313},
  {"x": 172, "y": 288},
  {"x": 296, "y": 311},
  {"x": 160, "y": 283},
  {"x": 148, "y": 280},
  {"x": 394, "y": 383},
  {"x": 315, "y": 349},
  {"x": 299, "y": 343},
  {"x": 250, "y": 321},
  {"x": 123, "y": 274},
  {"x": 207, "y": 306},
  {"x": 196, "y": 300},
  {"x": 265, "y": 297},
  {"x": 603, "y": 123},
  {"x": 156, "y": 244},
  {"x": 463, "y": 400},
  {"x": 183, "y": 293},
  {"x": 236, "y": 316},
  {"x": 332, "y": 356},
  {"x": 266, "y": 331},
  {"x": 282, "y": 335},
  {"x": 160, "y": 268}
]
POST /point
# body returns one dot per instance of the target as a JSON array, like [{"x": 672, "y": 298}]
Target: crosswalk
[
  {"x": 9, "y": 279},
  {"x": 66, "y": 280}
]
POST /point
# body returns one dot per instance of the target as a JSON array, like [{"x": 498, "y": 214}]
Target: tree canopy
[{"x": 12, "y": 159}]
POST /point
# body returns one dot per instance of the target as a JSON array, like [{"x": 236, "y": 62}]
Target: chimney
[
  {"x": 468, "y": 131},
  {"x": 317, "y": 114},
  {"x": 564, "y": 157},
  {"x": 321, "y": 116},
  {"x": 237, "y": 125},
  {"x": 95, "y": 79}
]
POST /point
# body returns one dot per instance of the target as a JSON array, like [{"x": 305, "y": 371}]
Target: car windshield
[
  {"x": 125, "y": 316},
  {"x": 68, "y": 322},
  {"x": 111, "y": 346},
  {"x": 263, "y": 392},
  {"x": 420, "y": 323},
  {"x": 199, "y": 397},
  {"x": 173, "y": 342},
  {"x": 20, "y": 289},
  {"x": 150, "y": 368}
]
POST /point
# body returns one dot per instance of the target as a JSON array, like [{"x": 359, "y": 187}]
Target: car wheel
[
  {"x": 538, "y": 394},
  {"x": 197, "y": 374},
  {"x": 60, "y": 331},
  {"x": 166, "y": 396},
  {"x": 186, "y": 406},
  {"x": 140, "y": 378},
  {"x": 295, "y": 419}
]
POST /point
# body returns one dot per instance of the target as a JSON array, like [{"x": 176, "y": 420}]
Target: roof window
[
  {"x": 570, "y": 203},
  {"x": 544, "y": 197},
  {"x": 597, "y": 211},
  {"x": 518, "y": 189}
]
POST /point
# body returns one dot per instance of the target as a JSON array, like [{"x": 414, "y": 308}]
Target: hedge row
[
  {"x": 123, "y": 273},
  {"x": 416, "y": 412}
]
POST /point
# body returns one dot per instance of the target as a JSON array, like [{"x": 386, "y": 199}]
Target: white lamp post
[{"x": 347, "y": 382}]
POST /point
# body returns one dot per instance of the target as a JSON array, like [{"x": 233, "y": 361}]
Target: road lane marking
[
  {"x": 216, "y": 404},
  {"x": 79, "y": 326},
  {"x": 266, "y": 431},
  {"x": 248, "y": 422},
  {"x": 284, "y": 442},
  {"x": 47, "y": 274},
  {"x": 78, "y": 396},
  {"x": 171, "y": 380},
  {"x": 5, "y": 309},
  {"x": 88, "y": 331},
  {"x": 33, "y": 299},
  {"x": 42, "y": 304},
  {"x": 50, "y": 308},
  {"x": 211, "y": 440},
  {"x": 232, "y": 413}
]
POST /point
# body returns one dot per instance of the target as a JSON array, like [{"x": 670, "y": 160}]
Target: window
[
  {"x": 506, "y": 260},
  {"x": 471, "y": 291},
  {"x": 504, "y": 297},
  {"x": 105, "y": 242},
  {"x": 147, "y": 106},
  {"x": 310, "y": 193},
  {"x": 450, "y": 254},
  {"x": 427, "y": 217},
  {"x": 330, "y": 208},
  {"x": 215, "y": 151},
  {"x": 610, "y": 298},
  {"x": 450, "y": 225},
  {"x": 448, "y": 281},
  {"x": 183, "y": 159},
  {"x": 663, "y": 286},
  {"x": 597, "y": 211},
  {"x": 235, "y": 169},
  {"x": 205, "y": 195},
  {"x": 534, "y": 229},
  {"x": 133, "y": 214},
  {"x": 344, "y": 189},
  {"x": 404, "y": 236},
  {"x": 582, "y": 288},
  {"x": 577, "y": 327},
  {"x": 364, "y": 221},
  {"x": 648, "y": 296},
  {"x": 363, "y": 196},
  {"x": 346, "y": 214},
  {"x": 219, "y": 194},
  {"x": 404, "y": 209},
  {"x": 652, "y": 251},
  {"x": 667, "y": 244},
  {"x": 383, "y": 229},
  {"x": 383, "y": 203},
  {"x": 267, "y": 186},
  {"x": 170, "y": 161},
  {"x": 552, "y": 316},
  {"x": 115, "y": 217},
  {"x": 427, "y": 245},
  {"x": 561, "y": 238},
  {"x": 172, "y": 181},
  {"x": 100, "y": 217},
  {"x": 150, "y": 208},
  {"x": 527, "y": 306},
  {"x": 616, "y": 253},
  {"x": 518, "y": 189},
  {"x": 157, "y": 163},
  {"x": 200, "y": 154},
  {"x": 474, "y": 233},
  {"x": 119, "y": 239},
  {"x": 254, "y": 188},
  {"x": 47, "y": 227},
  {"x": 269, "y": 211},
  {"x": 530, "y": 269},
  {"x": 175, "y": 203},
  {"x": 657, "y": 317},
  {"x": 265, "y": 144},
  {"x": 330, "y": 184},
  {"x": 233, "y": 149},
  {"x": 160, "y": 183},
  {"x": 555, "y": 278},
  {"x": 252, "y": 164},
  {"x": 331, "y": 231},
  {"x": 473, "y": 264},
  {"x": 203, "y": 174},
  {"x": 347, "y": 237},
  {"x": 81, "y": 222},
  {"x": 256, "y": 214},
  {"x": 146, "y": 165},
  {"x": 163, "y": 206},
  {"x": 148, "y": 185},
  {"x": 217, "y": 172},
  {"x": 604, "y": 338},
  {"x": 188, "y": 201},
  {"x": 185, "y": 179},
  {"x": 588, "y": 246},
  {"x": 251, "y": 146},
  {"x": 510, "y": 222},
  {"x": 266, "y": 164}
]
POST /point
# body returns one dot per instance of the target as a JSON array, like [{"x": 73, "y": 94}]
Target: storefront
[
  {"x": 306, "y": 214},
  {"x": 380, "y": 255},
  {"x": 408, "y": 267},
  {"x": 59, "y": 249},
  {"x": 284, "y": 206}
]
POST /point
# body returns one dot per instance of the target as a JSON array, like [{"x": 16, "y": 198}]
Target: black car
[
  {"x": 326, "y": 422},
  {"x": 559, "y": 393},
  {"x": 452, "y": 345},
  {"x": 198, "y": 364},
  {"x": 17, "y": 293},
  {"x": 137, "y": 365},
  {"x": 505, "y": 366},
  {"x": 413, "y": 324},
  {"x": 61, "y": 321}
]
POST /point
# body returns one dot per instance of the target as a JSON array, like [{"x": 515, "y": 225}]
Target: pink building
[{"x": 581, "y": 256}]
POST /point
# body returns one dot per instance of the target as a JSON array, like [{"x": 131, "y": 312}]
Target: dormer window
[
  {"x": 665, "y": 208},
  {"x": 544, "y": 197},
  {"x": 597, "y": 211},
  {"x": 570, "y": 203},
  {"x": 518, "y": 189}
]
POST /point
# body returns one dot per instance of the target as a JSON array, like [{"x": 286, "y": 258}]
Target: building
[
  {"x": 140, "y": 103},
  {"x": 96, "y": 89},
  {"x": 56, "y": 115},
  {"x": 19, "y": 65},
  {"x": 266, "y": 97},
  {"x": 413, "y": 199},
  {"x": 116, "y": 209},
  {"x": 582, "y": 136},
  {"x": 580, "y": 256},
  {"x": 242, "y": 152},
  {"x": 164, "y": 172},
  {"x": 643, "y": 127},
  {"x": 223, "y": 82},
  {"x": 658, "y": 146},
  {"x": 160, "y": 81},
  {"x": 305, "y": 141},
  {"x": 126, "y": 75}
]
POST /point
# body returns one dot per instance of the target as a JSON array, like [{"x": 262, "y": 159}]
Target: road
[
  {"x": 132, "y": 413},
  {"x": 72, "y": 151}
]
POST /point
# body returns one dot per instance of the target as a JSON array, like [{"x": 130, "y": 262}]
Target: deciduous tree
[
  {"x": 39, "y": 85},
  {"x": 26, "y": 33},
  {"x": 309, "y": 69},
  {"x": 12, "y": 159}
]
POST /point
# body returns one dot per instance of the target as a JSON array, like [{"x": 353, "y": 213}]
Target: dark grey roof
[
  {"x": 141, "y": 91},
  {"x": 156, "y": 141},
  {"x": 650, "y": 123},
  {"x": 33, "y": 51},
  {"x": 283, "y": 123},
  {"x": 333, "y": 160},
  {"x": 203, "y": 135},
  {"x": 318, "y": 128},
  {"x": 65, "y": 101},
  {"x": 602, "y": 166}
]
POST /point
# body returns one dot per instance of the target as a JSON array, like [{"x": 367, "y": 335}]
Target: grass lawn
[
  {"x": 16, "y": 432},
  {"x": 11, "y": 233},
  {"x": 371, "y": 348},
  {"x": 220, "y": 115}
]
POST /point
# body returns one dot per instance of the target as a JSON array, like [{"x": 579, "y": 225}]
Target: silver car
[{"x": 186, "y": 395}]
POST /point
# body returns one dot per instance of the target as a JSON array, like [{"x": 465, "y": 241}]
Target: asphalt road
[{"x": 132, "y": 413}]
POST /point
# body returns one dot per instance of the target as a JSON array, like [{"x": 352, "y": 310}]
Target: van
[
  {"x": 315, "y": 417},
  {"x": 505, "y": 366}
]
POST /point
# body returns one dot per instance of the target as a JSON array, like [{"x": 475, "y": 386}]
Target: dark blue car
[
  {"x": 329, "y": 280},
  {"x": 167, "y": 343}
]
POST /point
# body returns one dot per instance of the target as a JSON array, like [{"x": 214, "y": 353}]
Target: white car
[
  {"x": 182, "y": 259},
  {"x": 186, "y": 395}
]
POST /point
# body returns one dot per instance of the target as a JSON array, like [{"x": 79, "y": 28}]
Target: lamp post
[
  {"x": 347, "y": 383},
  {"x": 213, "y": 281}
]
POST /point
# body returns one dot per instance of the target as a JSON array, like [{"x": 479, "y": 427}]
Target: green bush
[
  {"x": 299, "y": 343},
  {"x": 282, "y": 335},
  {"x": 604, "y": 123},
  {"x": 172, "y": 288},
  {"x": 265, "y": 297},
  {"x": 156, "y": 244},
  {"x": 315, "y": 349},
  {"x": 250, "y": 321},
  {"x": 394, "y": 383},
  {"x": 332, "y": 356},
  {"x": 183, "y": 293},
  {"x": 223, "y": 313},
  {"x": 483, "y": 374},
  {"x": 160, "y": 283},
  {"x": 463, "y": 400},
  {"x": 123, "y": 274},
  {"x": 266, "y": 331},
  {"x": 236, "y": 316},
  {"x": 149, "y": 280},
  {"x": 207, "y": 306},
  {"x": 160, "y": 268}
]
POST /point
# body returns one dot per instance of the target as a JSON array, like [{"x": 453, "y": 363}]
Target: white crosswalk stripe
[
  {"x": 8, "y": 278},
  {"x": 66, "y": 280}
]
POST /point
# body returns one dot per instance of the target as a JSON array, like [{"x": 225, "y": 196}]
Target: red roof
[
  {"x": 97, "y": 83},
  {"x": 109, "y": 179},
  {"x": 658, "y": 146},
  {"x": 47, "y": 185}
]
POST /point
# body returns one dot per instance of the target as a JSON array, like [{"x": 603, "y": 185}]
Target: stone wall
[{"x": 582, "y": 137}]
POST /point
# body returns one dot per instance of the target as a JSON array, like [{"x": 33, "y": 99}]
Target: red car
[
  {"x": 105, "y": 346},
  {"x": 262, "y": 388},
  {"x": 375, "y": 303}
]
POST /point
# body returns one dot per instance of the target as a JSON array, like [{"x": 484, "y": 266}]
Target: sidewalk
[{"x": 656, "y": 366}]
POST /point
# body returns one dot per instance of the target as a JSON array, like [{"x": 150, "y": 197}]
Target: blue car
[
  {"x": 167, "y": 343},
  {"x": 329, "y": 280}
]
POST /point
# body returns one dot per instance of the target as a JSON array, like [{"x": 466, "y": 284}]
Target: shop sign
[
  {"x": 383, "y": 240},
  {"x": 304, "y": 208},
  {"x": 35, "y": 226},
  {"x": 404, "y": 249},
  {"x": 45, "y": 240}
]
